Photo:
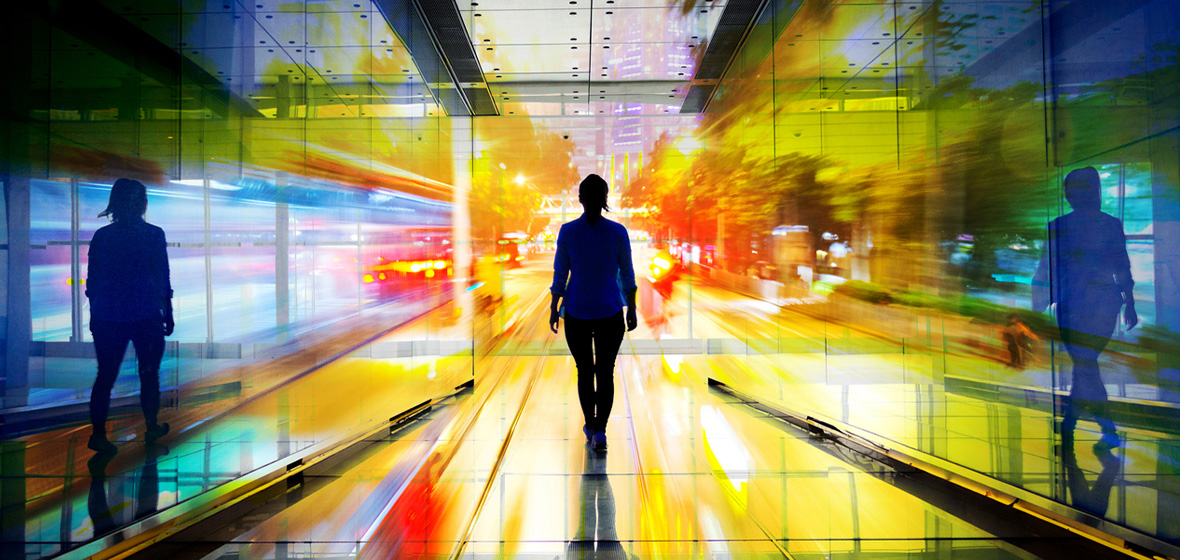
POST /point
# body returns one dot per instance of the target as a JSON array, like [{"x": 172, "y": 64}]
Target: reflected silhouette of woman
[
  {"x": 597, "y": 535},
  {"x": 147, "y": 495},
  {"x": 127, "y": 281},
  {"x": 1086, "y": 272},
  {"x": 594, "y": 254},
  {"x": 1093, "y": 498}
]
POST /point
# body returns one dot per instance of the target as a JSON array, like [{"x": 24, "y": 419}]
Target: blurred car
[{"x": 511, "y": 249}]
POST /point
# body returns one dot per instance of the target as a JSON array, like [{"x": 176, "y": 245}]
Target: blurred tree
[
  {"x": 663, "y": 188},
  {"x": 517, "y": 166}
]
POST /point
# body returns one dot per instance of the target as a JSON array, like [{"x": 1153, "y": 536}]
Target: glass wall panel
[
  {"x": 302, "y": 172},
  {"x": 50, "y": 260},
  {"x": 905, "y": 166}
]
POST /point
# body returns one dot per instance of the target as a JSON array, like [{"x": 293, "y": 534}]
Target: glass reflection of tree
[
  {"x": 596, "y": 536},
  {"x": 516, "y": 166}
]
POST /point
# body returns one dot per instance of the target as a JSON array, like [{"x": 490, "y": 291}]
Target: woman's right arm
[
  {"x": 561, "y": 272},
  {"x": 554, "y": 313},
  {"x": 94, "y": 266}
]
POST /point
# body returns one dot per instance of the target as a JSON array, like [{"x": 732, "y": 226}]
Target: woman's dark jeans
[
  {"x": 110, "y": 345},
  {"x": 594, "y": 344}
]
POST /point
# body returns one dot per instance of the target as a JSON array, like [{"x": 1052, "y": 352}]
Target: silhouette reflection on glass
[
  {"x": 106, "y": 516},
  {"x": 596, "y": 536},
  {"x": 130, "y": 293},
  {"x": 1096, "y": 498},
  {"x": 1086, "y": 274}
]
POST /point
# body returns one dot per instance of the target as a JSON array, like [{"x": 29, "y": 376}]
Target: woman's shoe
[
  {"x": 100, "y": 444},
  {"x": 600, "y": 440},
  {"x": 589, "y": 433},
  {"x": 1109, "y": 441},
  {"x": 156, "y": 431}
]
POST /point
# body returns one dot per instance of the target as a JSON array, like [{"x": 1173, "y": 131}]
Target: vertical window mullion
[
  {"x": 76, "y": 291},
  {"x": 208, "y": 266},
  {"x": 1123, "y": 194}
]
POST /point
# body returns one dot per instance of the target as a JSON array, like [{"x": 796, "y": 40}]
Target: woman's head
[
  {"x": 128, "y": 200},
  {"x": 592, "y": 193},
  {"x": 1083, "y": 189}
]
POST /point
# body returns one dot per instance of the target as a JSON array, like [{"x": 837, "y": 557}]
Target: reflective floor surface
[
  {"x": 688, "y": 474},
  {"x": 503, "y": 470}
]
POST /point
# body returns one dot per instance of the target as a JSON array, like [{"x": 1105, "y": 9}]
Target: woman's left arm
[
  {"x": 561, "y": 272},
  {"x": 627, "y": 277},
  {"x": 1122, "y": 276},
  {"x": 164, "y": 281}
]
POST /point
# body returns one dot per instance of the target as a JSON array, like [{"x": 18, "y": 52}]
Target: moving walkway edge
[
  {"x": 458, "y": 440},
  {"x": 213, "y": 504},
  {"x": 643, "y": 480},
  {"x": 487, "y": 489},
  {"x": 330, "y": 359},
  {"x": 1099, "y": 531}
]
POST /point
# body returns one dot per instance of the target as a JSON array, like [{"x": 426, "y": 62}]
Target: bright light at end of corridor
[{"x": 519, "y": 179}]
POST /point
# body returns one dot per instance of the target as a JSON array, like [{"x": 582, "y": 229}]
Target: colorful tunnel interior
[{"x": 866, "y": 288}]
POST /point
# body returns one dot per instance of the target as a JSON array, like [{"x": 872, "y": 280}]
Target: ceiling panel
[
  {"x": 530, "y": 27},
  {"x": 343, "y": 49},
  {"x": 538, "y": 59},
  {"x": 551, "y": 43},
  {"x": 653, "y": 25}
]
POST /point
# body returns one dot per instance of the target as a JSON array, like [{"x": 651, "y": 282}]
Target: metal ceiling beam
[
  {"x": 665, "y": 86},
  {"x": 740, "y": 21},
  {"x": 433, "y": 32},
  {"x": 606, "y": 91}
]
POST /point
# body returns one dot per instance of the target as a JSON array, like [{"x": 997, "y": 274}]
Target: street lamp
[{"x": 688, "y": 145}]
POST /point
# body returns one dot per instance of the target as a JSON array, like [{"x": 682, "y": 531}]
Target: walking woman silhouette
[
  {"x": 594, "y": 254},
  {"x": 1086, "y": 272},
  {"x": 130, "y": 293}
]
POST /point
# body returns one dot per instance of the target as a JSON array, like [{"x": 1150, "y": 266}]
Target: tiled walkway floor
[
  {"x": 688, "y": 474},
  {"x": 503, "y": 472}
]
